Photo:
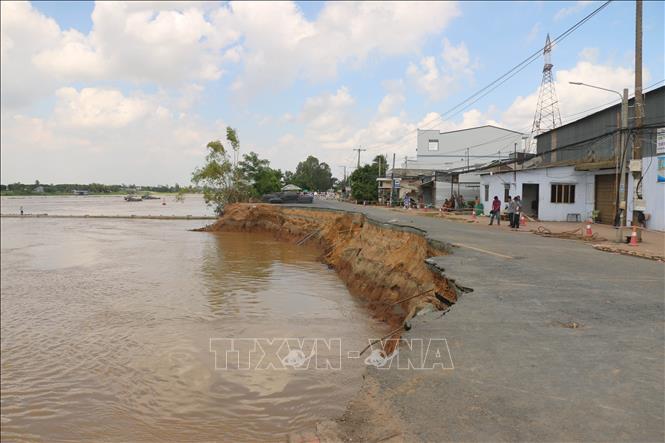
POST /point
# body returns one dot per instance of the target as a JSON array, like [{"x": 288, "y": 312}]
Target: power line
[
  {"x": 464, "y": 104},
  {"x": 567, "y": 119}
]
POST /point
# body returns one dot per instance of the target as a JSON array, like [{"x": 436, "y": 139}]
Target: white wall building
[
  {"x": 459, "y": 151},
  {"x": 575, "y": 171}
]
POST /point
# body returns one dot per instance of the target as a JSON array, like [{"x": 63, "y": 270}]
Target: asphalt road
[{"x": 519, "y": 372}]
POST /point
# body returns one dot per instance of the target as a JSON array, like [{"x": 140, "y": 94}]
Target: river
[{"x": 107, "y": 328}]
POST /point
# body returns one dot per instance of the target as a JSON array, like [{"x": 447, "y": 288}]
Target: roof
[
  {"x": 475, "y": 127},
  {"x": 617, "y": 105}
]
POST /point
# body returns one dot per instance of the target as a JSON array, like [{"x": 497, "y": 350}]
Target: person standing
[
  {"x": 496, "y": 211},
  {"x": 517, "y": 208},
  {"x": 510, "y": 210},
  {"x": 21, "y": 210}
]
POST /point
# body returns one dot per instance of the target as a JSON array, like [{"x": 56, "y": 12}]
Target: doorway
[{"x": 530, "y": 194}]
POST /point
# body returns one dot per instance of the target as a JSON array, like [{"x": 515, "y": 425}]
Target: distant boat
[{"x": 132, "y": 198}]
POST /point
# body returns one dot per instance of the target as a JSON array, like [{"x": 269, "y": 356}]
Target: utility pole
[
  {"x": 620, "y": 217},
  {"x": 406, "y": 162},
  {"x": 639, "y": 111},
  {"x": 344, "y": 182},
  {"x": 467, "y": 159},
  {"x": 392, "y": 181},
  {"x": 515, "y": 167},
  {"x": 378, "y": 182},
  {"x": 359, "y": 151}
]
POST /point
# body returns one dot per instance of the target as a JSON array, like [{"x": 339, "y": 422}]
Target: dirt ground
[{"x": 652, "y": 245}]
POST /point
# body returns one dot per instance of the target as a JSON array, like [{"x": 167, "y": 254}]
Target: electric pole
[
  {"x": 467, "y": 159},
  {"x": 406, "y": 162},
  {"x": 359, "y": 151},
  {"x": 639, "y": 111},
  {"x": 392, "y": 181},
  {"x": 515, "y": 166}
]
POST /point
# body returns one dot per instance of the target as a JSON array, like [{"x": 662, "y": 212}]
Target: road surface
[{"x": 557, "y": 341}]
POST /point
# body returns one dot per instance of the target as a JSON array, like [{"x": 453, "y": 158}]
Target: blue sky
[{"x": 153, "y": 83}]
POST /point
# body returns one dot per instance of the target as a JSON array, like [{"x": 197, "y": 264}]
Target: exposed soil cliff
[{"x": 385, "y": 265}]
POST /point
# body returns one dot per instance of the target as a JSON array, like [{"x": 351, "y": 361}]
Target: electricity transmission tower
[{"x": 547, "y": 115}]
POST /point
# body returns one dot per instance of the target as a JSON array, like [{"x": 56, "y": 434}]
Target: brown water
[{"x": 106, "y": 328}]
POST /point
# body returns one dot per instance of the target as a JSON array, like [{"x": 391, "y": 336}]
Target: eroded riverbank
[{"x": 385, "y": 265}]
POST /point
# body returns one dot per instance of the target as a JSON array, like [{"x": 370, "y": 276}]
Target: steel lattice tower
[{"x": 547, "y": 115}]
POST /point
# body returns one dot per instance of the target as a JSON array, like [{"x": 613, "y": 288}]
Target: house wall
[
  {"x": 545, "y": 178},
  {"x": 469, "y": 187},
  {"x": 485, "y": 143},
  {"x": 652, "y": 191}
]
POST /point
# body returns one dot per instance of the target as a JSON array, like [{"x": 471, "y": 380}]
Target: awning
[{"x": 594, "y": 166}]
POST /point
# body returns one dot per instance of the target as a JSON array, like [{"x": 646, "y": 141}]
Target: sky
[{"x": 131, "y": 93}]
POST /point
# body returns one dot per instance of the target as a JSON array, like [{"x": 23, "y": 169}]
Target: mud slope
[{"x": 385, "y": 265}]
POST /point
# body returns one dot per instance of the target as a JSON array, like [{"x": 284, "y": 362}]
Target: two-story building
[{"x": 446, "y": 162}]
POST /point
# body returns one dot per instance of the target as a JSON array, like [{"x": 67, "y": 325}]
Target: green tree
[
  {"x": 219, "y": 178},
  {"x": 312, "y": 175},
  {"x": 363, "y": 180},
  {"x": 259, "y": 175}
]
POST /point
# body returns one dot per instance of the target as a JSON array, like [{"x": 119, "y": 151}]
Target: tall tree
[
  {"x": 363, "y": 180},
  {"x": 259, "y": 175},
  {"x": 219, "y": 178},
  {"x": 312, "y": 175}
]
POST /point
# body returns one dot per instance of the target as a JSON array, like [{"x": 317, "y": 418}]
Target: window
[
  {"x": 487, "y": 192},
  {"x": 433, "y": 145},
  {"x": 506, "y": 192},
  {"x": 563, "y": 194}
]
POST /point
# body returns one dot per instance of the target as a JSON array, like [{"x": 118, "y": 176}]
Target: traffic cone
[
  {"x": 473, "y": 215},
  {"x": 522, "y": 220},
  {"x": 633, "y": 237},
  {"x": 589, "y": 232}
]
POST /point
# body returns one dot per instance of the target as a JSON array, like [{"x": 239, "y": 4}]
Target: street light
[
  {"x": 620, "y": 217},
  {"x": 597, "y": 87}
]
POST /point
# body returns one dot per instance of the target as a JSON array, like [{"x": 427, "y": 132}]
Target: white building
[
  {"x": 575, "y": 171},
  {"x": 451, "y": 158}
]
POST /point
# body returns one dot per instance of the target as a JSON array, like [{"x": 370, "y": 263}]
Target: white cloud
[
  {"x": 573, "y": 99},
  {"x": 535, "y": 32},
  {"x": 437, "y": 80},
  {"x": 99, "y": 108},
  {"x": 103, "y": 135},
  {"x": 279, "y": 52},
  {"x": 328, "y": 118},
  {"x": 394, "y": 97},
  {"x": 24, "y": 32},
  {"x": 158, "y": 43},
  {"x": 589, "y": 54},
  {"x": 579, "y": 6}
]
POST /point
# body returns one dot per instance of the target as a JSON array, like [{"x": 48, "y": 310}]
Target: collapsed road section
[{"x": 385, "y": 265}]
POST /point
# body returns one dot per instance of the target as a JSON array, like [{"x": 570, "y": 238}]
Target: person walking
[
  {"x": 496, "y": 211},
  {"x": 21, "y": 210}
]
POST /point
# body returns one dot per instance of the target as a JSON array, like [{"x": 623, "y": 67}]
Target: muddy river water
[{"x": 114, "y": 330}]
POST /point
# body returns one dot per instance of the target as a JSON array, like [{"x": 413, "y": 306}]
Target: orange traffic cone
[
  {"x": 522, "y": 220},
  {"x": 633, "y": 237},
  {"x": 473, "y": 215},
  {"x": 588, "y": 232}
]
